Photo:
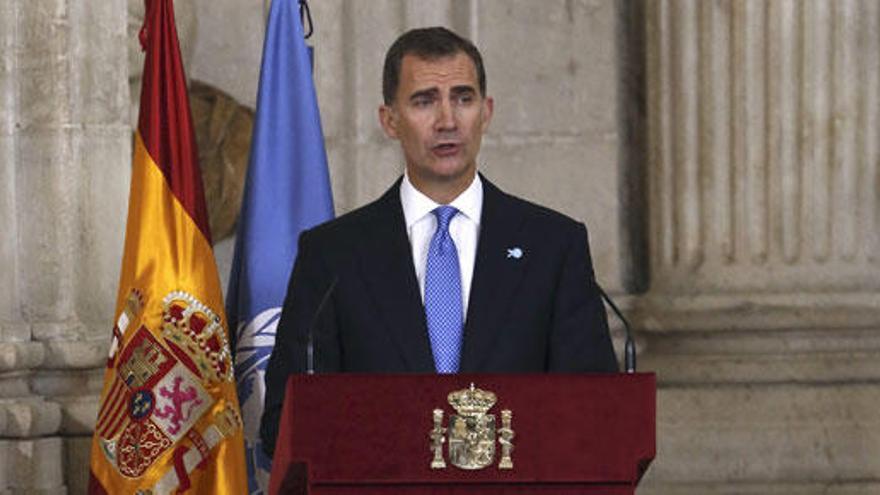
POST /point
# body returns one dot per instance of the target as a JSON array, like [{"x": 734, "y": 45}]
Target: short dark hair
[{"x": 428, "y": 44}]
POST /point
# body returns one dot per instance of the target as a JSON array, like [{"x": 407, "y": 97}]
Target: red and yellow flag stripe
[{"x": 169, "y": 420}]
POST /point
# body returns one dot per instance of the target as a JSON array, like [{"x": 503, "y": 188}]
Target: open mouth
[{"x": 446, "y": 149}]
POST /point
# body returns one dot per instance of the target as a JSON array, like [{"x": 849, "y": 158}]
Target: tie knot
[{"x": 444, "y": 215}]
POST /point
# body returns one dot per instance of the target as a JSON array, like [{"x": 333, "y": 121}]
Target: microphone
[
  {"x": 310, "y": 343},
  {"x": 629, "y": 349}
]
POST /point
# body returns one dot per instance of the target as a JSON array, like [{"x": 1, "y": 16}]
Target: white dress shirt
[{"x": 464, "y": 229}]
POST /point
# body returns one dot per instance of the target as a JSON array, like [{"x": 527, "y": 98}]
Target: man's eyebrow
[
  {"x": 430, "y": 92},
  {"x": 464, "y": 89}
]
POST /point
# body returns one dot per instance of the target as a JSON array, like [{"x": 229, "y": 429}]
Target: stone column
[
  {"x": 763, "y": 314},
  {"x": 64, "y": 149}
]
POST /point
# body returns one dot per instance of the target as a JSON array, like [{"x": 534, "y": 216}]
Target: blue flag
[{"x": 287, "y": 191}]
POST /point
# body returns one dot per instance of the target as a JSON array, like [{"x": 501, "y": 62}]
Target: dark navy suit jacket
[{"x": 537, "y": 312}]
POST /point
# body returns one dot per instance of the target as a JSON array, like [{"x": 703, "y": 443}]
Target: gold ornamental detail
[{"x": 470, "y": 435}]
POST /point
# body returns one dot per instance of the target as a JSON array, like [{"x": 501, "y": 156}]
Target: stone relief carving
[{"x": 223, "y": 132}]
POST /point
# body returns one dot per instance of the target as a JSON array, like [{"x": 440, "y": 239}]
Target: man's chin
[
  {"x": 443, "y": 171},
  {"x": 453, "y": 175},
  {"x": 452, "y": 179}
]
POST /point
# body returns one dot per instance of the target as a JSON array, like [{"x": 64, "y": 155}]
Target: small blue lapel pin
[{"x": 514, "y": 252}]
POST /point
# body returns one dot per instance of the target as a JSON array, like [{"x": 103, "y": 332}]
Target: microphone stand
[
  {"x": 629, "y": 349},
  {"x": 310, "y": 343}
]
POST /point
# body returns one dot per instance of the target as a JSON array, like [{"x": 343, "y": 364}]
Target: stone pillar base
[
  {"x": 33, "y": 466},
  {"x": 834, "y": 488},
  {"x": 782, "y": 437}
]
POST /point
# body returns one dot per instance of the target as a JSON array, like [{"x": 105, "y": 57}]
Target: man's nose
[{"x": 445, "y": 115}]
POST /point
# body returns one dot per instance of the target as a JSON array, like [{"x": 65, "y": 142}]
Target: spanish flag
[{"x": 169, "y": 419}]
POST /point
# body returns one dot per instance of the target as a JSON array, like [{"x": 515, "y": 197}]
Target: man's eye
[
  {"x": 465, "y": 99},
  {"x": 422, "y": 102}
]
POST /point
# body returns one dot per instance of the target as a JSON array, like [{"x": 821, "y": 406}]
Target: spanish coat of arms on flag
[{"x": 169, "y": 420}]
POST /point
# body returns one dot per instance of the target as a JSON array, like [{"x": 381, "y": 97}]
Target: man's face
[{"x": 439, "y": 117}]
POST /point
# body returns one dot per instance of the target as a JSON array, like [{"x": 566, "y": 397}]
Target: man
[{"x": 445, "y": 272}]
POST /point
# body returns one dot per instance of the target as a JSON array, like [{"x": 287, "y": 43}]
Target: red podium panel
[{"x": 344, "y": 434}]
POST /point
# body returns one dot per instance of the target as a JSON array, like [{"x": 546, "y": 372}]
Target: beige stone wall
[
  {"x": 723, "y": 154},
  {"x": 65, "y": 145},
  {"x": 763, "y": 311}
]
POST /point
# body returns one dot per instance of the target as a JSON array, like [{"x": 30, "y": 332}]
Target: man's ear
[
  {"x": 488, "y": 108},
  {"x": 388, "y": 120}
]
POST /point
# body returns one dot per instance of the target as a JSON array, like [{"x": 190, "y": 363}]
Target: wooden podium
[{"x": 344, "y": 434}]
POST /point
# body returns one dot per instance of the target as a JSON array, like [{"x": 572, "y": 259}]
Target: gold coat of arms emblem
[{"x": 471, "y": 432}]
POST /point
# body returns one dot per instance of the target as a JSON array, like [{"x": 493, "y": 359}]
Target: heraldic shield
[
  {"x": 472, "y": 441},
  {"x": 471, "y": 432}
]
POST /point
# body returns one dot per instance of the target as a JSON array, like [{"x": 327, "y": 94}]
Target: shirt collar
[{"x": 416, "y": 204}]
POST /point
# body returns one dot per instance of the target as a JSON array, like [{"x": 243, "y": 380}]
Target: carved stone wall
[
  {"x": 764, "y": 137},
  {"x": 763, "y": 314},
  {"x": 64, "y": 143}
]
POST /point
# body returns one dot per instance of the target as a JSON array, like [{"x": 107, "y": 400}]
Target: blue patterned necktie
[{"x": 443, "y": 294}]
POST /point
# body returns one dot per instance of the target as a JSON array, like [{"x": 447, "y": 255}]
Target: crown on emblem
[
  {"x": 197, "y": 331},
  {"x": 471, "y": 401}
]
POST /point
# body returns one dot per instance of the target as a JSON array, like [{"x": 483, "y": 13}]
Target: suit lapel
[
  {"x": 386, "y": 262},
  {"x": 496, "y": 274}
]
